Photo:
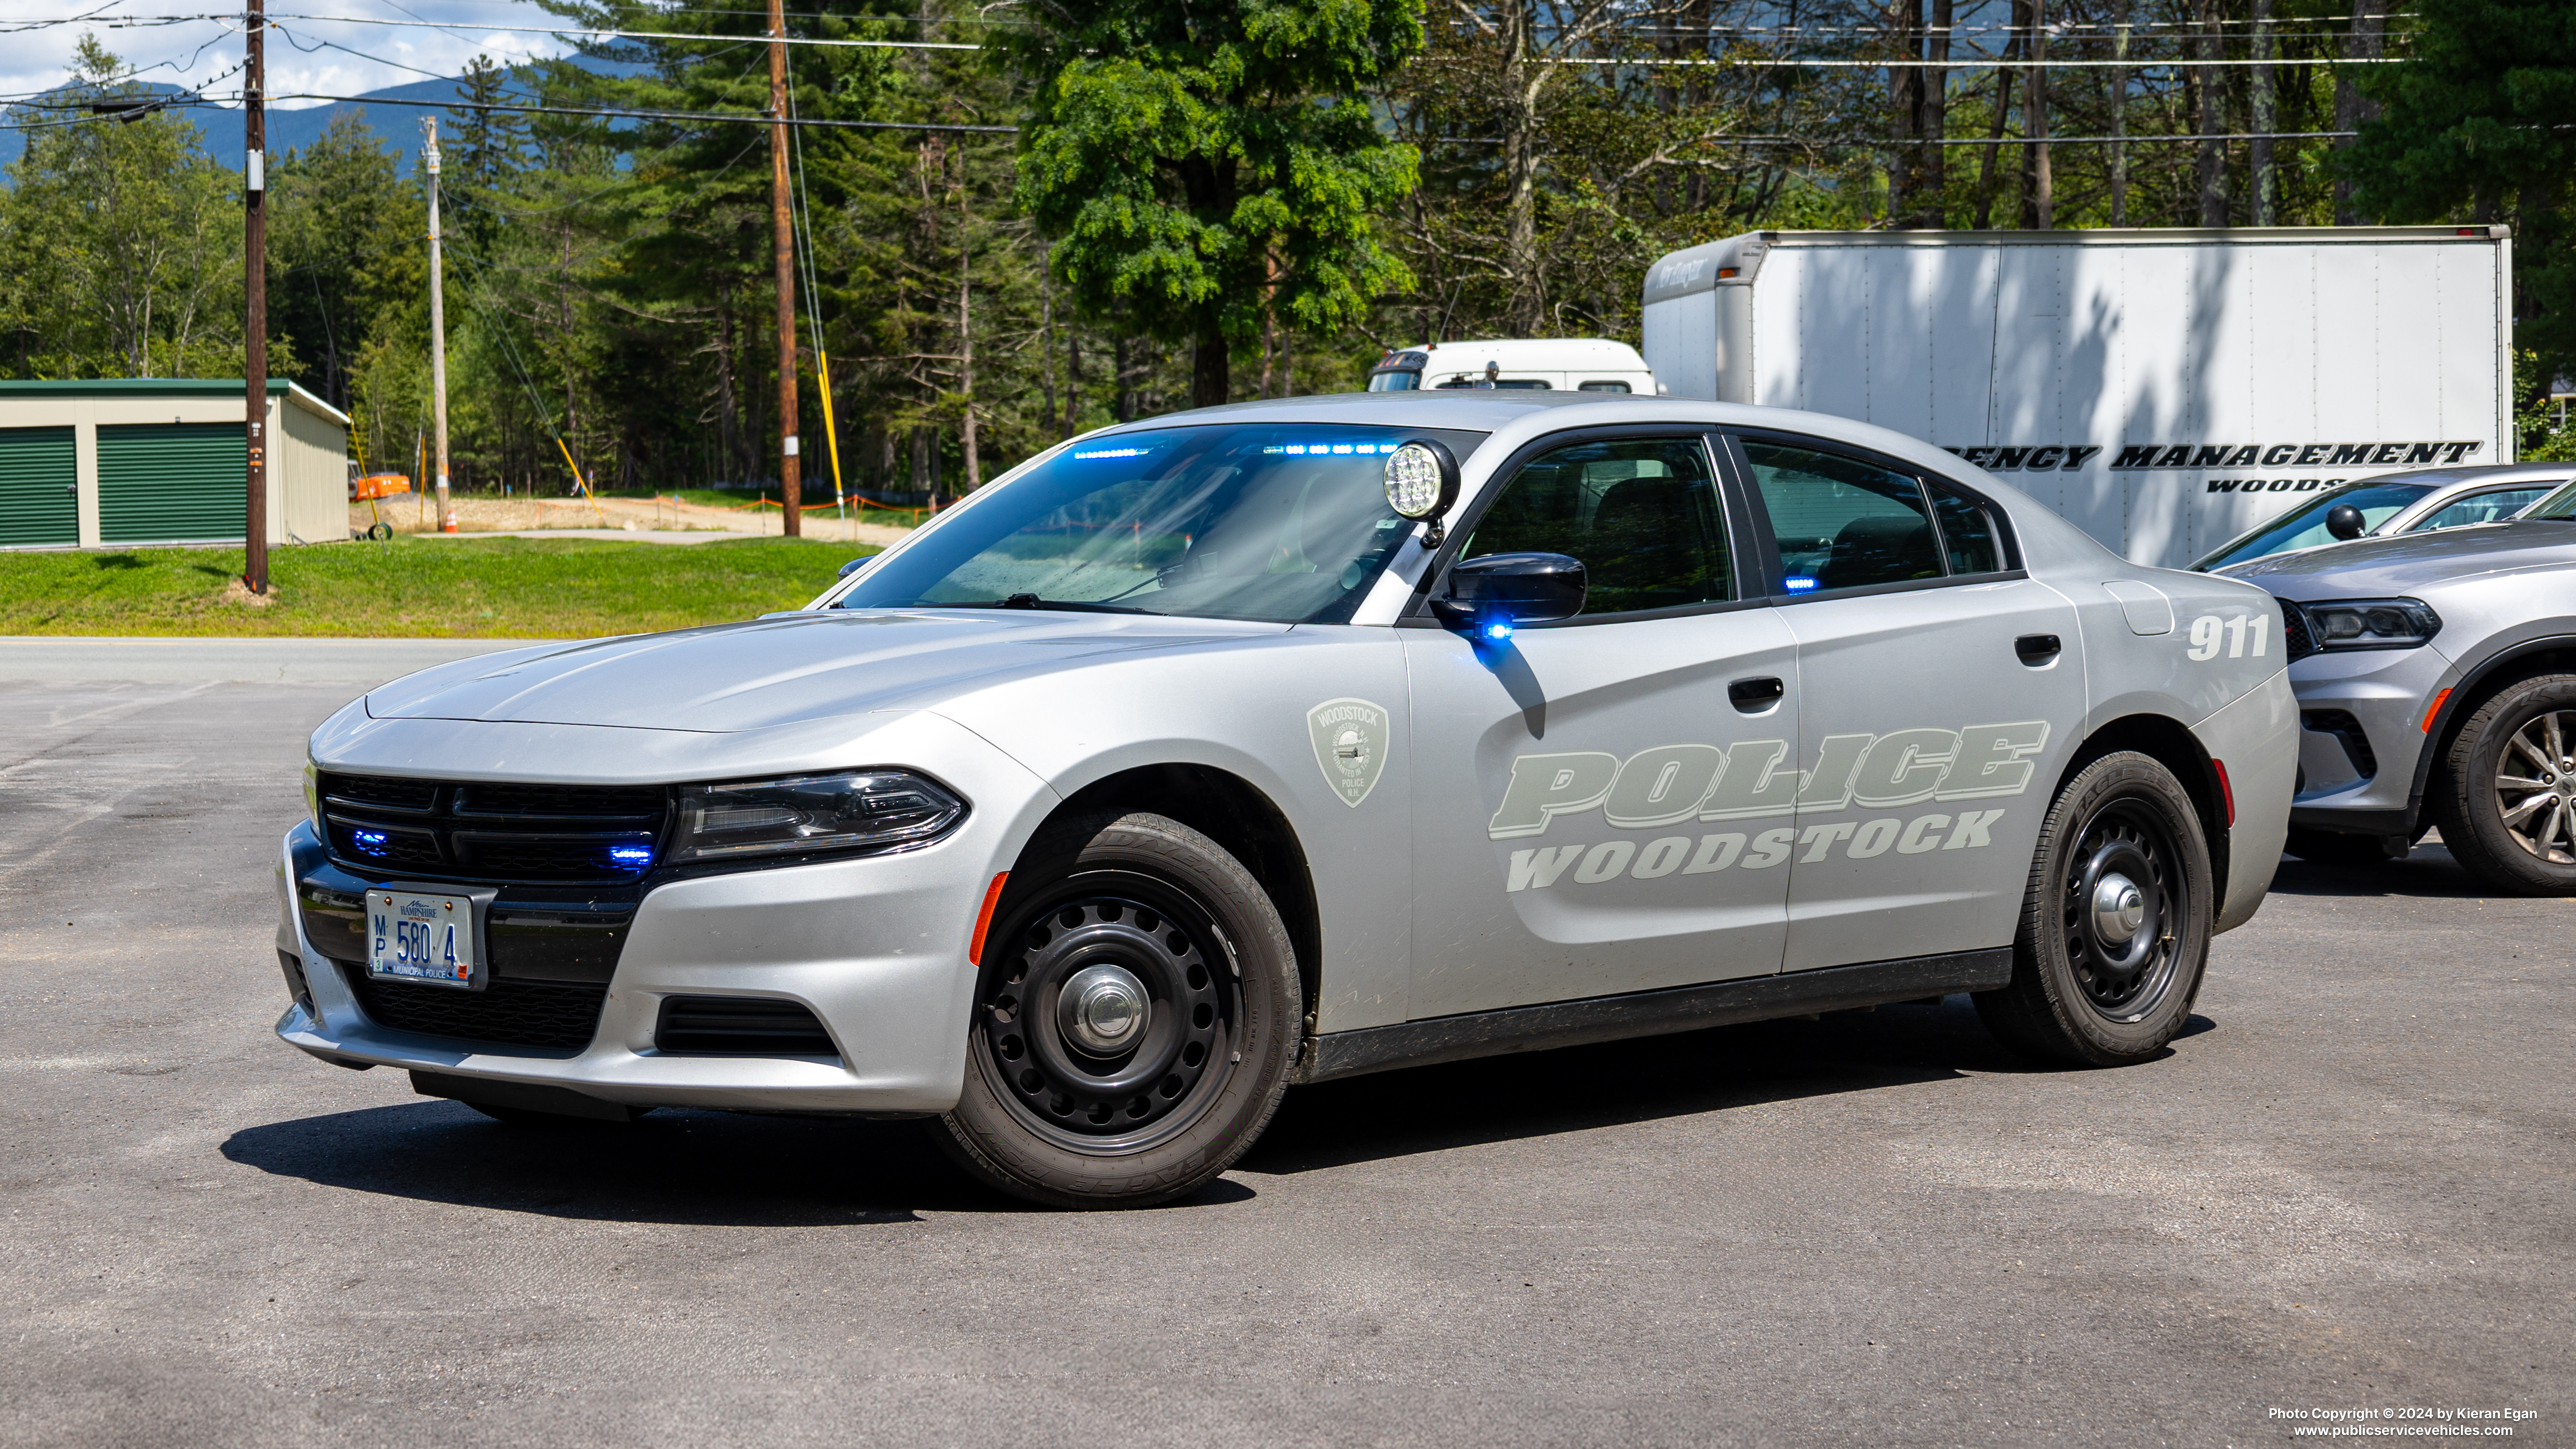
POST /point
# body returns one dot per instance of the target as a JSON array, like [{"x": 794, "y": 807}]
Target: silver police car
[{"x": 1296, "y": 740}]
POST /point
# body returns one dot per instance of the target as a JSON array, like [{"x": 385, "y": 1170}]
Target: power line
[
  {"x": 1790, "y": 61},
  {"x": 750, "y": 118},
  {"x": 641, "y": 34}
]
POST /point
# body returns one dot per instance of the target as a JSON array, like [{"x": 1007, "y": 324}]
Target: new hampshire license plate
[{"x": 423, "y": 938}]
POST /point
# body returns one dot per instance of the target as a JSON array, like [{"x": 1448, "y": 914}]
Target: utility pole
[
  {"x": 437, "y": 332},
  {"x": 788, "y": 495},
  {"x": 255, "y": 314}
]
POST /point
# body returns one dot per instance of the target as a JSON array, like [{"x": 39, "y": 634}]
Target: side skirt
[{"x": 1649, "y": 1013}]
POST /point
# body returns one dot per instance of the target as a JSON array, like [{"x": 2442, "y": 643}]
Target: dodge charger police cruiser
[{"x": 1294, "y": 740}]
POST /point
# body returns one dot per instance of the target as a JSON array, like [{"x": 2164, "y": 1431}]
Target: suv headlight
[
  {"x": 857, "y": 809},
  {"x": 2371, "y": 623}
]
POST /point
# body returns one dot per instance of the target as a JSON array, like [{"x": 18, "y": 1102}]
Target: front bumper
[
  {"x": 875, "y": 947},
  {"x": 2362, "y": 737}
]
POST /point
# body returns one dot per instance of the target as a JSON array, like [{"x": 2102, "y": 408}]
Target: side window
[
  {"x": 1843, "y": 523},
  {"x": 1967, "y": 530},
  {"x": 1642, "y": 514},
  {"x": 2489, "y": 507}
]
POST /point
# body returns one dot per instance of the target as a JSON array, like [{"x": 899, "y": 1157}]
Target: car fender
[{"x": 1255, "y": 709}]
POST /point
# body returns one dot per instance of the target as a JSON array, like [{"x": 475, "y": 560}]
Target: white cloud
[{"x": 301, "y": 52}]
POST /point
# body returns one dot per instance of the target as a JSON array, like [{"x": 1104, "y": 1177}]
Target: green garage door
[
  {"x": 162, "y": 482},
  {"x": 39, "y": 494}
]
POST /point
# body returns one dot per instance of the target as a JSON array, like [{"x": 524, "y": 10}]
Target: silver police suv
[
  {"x": 2436, "y": 677},
  {"x": 1296, "y": 740}
]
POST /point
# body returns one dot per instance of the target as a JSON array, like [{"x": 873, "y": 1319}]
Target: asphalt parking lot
[{"x": 2347, "y": 1186}]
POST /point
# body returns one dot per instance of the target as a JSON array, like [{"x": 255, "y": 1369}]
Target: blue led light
[
  {"x": 1799, "y": 583},
  {"x": 1114, "y": 453},
  {"x": 1497, "y": 631},
  {"x": 633, "y": 857},
  {"x": 370, "y": 841},
  {"x": 1301, "y": 450}
]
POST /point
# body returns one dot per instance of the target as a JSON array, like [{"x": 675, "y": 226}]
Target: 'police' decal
[
  {"x": 1669, "y": 784},
  {"x": 1350, "y": 738}
]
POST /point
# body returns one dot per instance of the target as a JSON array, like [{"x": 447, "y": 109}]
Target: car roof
[
  {"x": 2482, "y": 475},
  {"x": 1528, "y": 352}
]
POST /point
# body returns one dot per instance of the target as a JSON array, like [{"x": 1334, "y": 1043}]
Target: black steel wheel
[
  {"x": 2121, "y": 892},
  {"x": 1110, "y": 1014},
  {"x": 1135, "y": 1017},
  {"x": 2115, "y": 921}
]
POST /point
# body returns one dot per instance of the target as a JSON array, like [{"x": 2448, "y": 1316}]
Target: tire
[
  {"x": 1068, "y": 1110},
  {"x": 2080, "y": 994},
  {"x": 2333, "y": 847},
  {"x": 2530, "y": 728}
]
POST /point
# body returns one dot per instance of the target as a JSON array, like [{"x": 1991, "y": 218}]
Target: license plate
[{"x": 423, "y": 938}]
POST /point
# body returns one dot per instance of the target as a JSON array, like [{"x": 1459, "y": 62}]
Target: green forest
[{"x": 1016, "y": 222}]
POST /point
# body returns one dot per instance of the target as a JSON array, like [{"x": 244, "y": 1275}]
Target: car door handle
[
  {"x": 2037, "y": 649},
  {"x": 1755, "y": 695}
]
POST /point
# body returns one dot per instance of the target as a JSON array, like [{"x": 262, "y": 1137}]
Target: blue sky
[{"x": 346, "y": 55}]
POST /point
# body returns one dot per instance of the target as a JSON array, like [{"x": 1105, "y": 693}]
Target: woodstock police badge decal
[{"x": 1350, "y": 738}]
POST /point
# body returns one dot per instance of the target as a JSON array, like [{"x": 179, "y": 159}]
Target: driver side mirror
[
  {"x": 2345, "y": 522},
  {"x": 1490, "y": 595}
]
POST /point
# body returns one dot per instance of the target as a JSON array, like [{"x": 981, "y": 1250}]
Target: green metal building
[{"x": 114, "y": 462}]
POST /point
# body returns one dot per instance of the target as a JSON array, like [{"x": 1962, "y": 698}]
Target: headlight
[
  {"x": 2371, "y": 623},
  {"x": 859, "y": 809}
]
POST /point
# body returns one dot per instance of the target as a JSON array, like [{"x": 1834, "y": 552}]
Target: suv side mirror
[
  {"x": 854, "y": 565},
  {"x": 2345, "y": 521},
  {"x": 1492, "y": 593}
]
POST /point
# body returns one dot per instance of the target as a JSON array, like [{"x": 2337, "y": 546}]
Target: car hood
[
  {"x": 781, "y": 670},
  {"x": 2408, "y": 564}
]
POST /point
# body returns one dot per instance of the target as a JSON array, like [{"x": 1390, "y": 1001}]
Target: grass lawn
[
  {"x": 735, "y": 498},
  {"x": 498, "y": 588}
]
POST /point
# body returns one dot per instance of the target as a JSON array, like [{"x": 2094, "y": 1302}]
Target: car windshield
[
  {"x": 1284, "y": 523},
  {"x": 2305, "y": 526},
  {"x": 2493, "y": 506},
  {"x": 2560, "y": 505}
]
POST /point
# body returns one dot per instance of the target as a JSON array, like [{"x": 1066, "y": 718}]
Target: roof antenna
[{"x": 1443, "y": 334}]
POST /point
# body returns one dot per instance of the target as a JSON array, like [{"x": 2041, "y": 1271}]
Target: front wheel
[
  {"x": 2505, "y": 792},
  {"x": 1136, "y": 1013},
  {"x": 2115, "y": 922}
]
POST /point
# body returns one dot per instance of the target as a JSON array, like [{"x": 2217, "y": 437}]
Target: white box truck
[{"x": 2165, "y": 390}]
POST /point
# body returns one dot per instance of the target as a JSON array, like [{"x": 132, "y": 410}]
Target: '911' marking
[{"x": 2210, "y": 633}]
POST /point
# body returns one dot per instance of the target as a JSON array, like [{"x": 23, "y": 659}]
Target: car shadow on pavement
[
  {"x": 1577, "y": 1089},
  {"x": 2428, "y": 871},
  {"x": 673, "y": 1167}
]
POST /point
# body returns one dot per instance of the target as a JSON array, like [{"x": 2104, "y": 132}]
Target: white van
[{"x": 1564, "y": 364}]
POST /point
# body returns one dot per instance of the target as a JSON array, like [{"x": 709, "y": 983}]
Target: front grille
[
  {"x": 558, "y": 1014},
  {"x": 2295, "y": 637},
  {"x": 559, "y": 802},
  {"x": 758, "y": 1026},
  {"x": 2346, "y": 729},
  {"x": 476, "y": 830}
]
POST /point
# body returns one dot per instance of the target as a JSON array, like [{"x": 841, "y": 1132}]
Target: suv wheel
[
  {"x": 2115, "y": 923},
  {"x": 1136, "y": 1014},
  {"x": 2505, "y": 792}
]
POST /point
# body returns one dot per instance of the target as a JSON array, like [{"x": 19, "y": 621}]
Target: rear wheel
[
  {"x": 2505, "y": 792},
  {"x": 2115, "y": 922},
  {"x": 1136, "y": 1014}
]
